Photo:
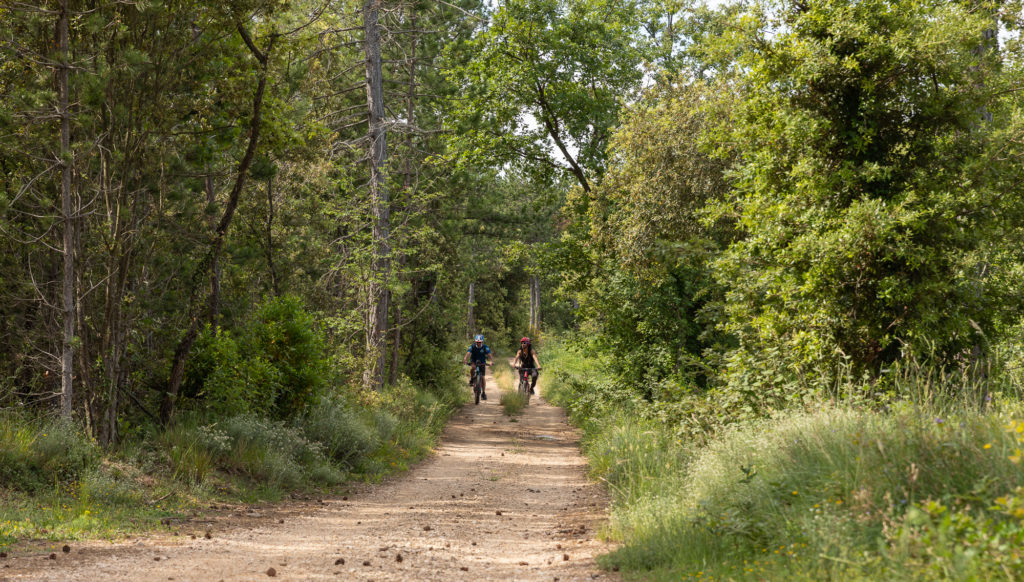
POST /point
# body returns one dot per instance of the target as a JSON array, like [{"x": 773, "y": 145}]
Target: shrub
[
  {"x": 277, "y": 366},
  {"x": 227, "y": 383},
  {"x": 386, "y": 425},
  {"x": 285, "y": 335},
  {"x": 340, "y": 430}
]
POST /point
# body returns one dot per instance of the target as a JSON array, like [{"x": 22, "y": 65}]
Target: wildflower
[{"x": 987, "y": 446}]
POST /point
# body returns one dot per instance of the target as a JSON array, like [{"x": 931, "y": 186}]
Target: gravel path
[{"x": 499, "y": 500}]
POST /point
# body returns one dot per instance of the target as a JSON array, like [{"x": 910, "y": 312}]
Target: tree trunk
[
  {"x": 214, "y": 301},
  {"x": 407, "y": 187},
  {"x": 274, "y": 285},
  {"x": 470, "y": 323},
  {"x": 67, "y": 215},
  {"x": 534, "y": 305},
  {"x": 376, "y": 352}
]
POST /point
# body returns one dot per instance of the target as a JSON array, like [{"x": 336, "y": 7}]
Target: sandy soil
[{"x": 499, "y": 500}]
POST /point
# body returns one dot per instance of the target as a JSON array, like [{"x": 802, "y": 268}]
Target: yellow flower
[{"x": 987, "y": 446}]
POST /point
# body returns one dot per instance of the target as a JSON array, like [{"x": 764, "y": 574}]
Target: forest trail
[{"x": 499, "y": 500}]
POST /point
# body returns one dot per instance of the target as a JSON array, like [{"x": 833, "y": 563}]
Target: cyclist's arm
[
  {"x": 536, "y": 361},
  {"x": 465, "y": 359}
]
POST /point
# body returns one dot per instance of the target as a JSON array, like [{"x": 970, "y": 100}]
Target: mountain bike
[
  {"x": 478, "y": 382},
  {"x": 525, "y": 376}
]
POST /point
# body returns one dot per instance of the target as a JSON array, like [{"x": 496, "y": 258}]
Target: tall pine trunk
[
  {"x": 534, "y": 305},
  {"x": 376, "y": 352},
  {"x": 470, "y": 322},
  {"x": 407, "y": 192},
  {"x": 67, "y": 215}
]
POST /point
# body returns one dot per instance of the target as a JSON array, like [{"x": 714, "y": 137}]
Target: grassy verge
[
  {"x": 833, "y": 492},
  {"x": 55, "y": 484}
]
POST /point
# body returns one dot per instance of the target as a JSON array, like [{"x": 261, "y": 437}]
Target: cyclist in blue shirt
[{"x": 478, "y": 353}]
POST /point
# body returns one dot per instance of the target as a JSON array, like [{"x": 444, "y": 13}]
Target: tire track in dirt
[{"x": 499, "y": 500}]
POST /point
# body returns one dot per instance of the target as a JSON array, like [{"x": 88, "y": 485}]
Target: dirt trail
[{"x": 499, "y": 500}]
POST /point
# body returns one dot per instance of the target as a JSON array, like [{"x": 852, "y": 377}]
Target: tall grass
[
  {"x": 513, "y": 402},
  {"x": 909, "y": 491}
]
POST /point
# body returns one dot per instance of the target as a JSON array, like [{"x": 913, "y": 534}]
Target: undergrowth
[
  {"x": 56, "y": 484},
  {"x": 828, "y": 491}
]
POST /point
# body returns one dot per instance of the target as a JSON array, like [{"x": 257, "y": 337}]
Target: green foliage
[
  {"x": 38, "y": 455},
  {"x": 225, "y": 382},
  {"x": 287, "y": 335},
  {"x": 868, "y": 205},
  {"x": 341, "y": 430},
  {"x": 913, "y": 490},
  {"x": 278, "y": 366},
  {"x": 638, "y": 257},
  {"x": 565, "y": 63},
  {"x": 272, "y": 452}
]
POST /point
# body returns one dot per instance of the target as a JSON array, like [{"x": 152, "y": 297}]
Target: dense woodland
[{"x": 282, "y": 210}]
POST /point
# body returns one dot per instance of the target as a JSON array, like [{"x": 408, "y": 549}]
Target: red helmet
[{"x": 525, "y": 340}]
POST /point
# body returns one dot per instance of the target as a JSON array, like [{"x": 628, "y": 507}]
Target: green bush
[
  {"x": 386, "y": 425},
  {"x": 342, "y": 432},
  {"x": 277, "y": 365},
  {"x": 287, "y": 337},
  {"x": 225, "y": 382},
  {"x": 193, "y": 450}
]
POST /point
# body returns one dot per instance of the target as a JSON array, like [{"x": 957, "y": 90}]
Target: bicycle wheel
[{"x": 476, "y": 390}]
